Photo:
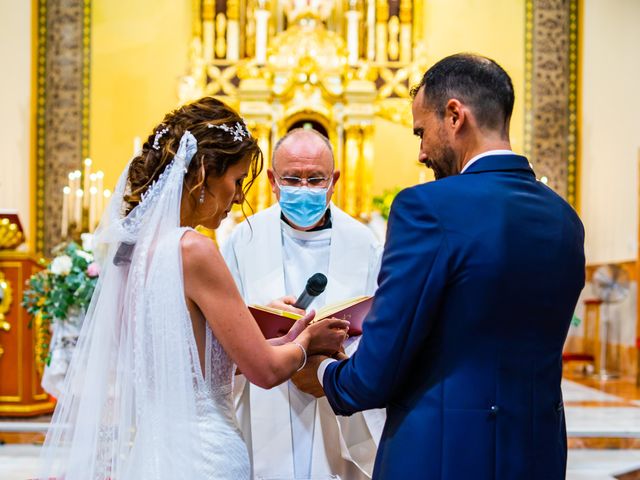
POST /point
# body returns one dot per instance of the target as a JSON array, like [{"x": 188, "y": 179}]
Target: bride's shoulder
[
  {"x": 195, "y": 244},
  {"x": 198, "y": 252}
]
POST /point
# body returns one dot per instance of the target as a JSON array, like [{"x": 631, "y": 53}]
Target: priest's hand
[
  {"x": 307, "y": 378},
  {"x": 286, "y": 303}
]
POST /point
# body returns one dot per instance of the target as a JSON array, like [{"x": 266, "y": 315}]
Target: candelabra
[{"x": 83, "y": 201}]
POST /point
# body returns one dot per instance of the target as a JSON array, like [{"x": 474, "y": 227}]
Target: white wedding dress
[{"x": 137, "y": 403}]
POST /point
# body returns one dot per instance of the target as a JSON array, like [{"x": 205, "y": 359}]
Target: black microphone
[{"x": 315, "y": 286}]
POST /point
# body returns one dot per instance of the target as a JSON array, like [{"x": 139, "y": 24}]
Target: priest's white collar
[
  {"x": 485, "y": 154},
  {"x": 306, "y": 235}
]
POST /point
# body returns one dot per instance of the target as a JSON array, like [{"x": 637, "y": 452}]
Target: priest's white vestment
[{"x": 289, "y": 433}]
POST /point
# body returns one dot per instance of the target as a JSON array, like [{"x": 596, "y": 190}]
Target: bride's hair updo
[{"x": 222, "y": 139}]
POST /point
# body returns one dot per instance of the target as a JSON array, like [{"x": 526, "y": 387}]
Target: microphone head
[{"x": 316, "y": 284}]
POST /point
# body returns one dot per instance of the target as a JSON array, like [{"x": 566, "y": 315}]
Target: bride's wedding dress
[{"x": 137, "y": 403}]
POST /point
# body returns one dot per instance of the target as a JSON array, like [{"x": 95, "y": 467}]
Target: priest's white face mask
[
  {"x": 303, "y": 177},
  {"x": 303, "y": 206}
]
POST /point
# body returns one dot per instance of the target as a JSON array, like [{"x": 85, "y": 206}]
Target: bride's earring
[{"x": 202, "y": 196}]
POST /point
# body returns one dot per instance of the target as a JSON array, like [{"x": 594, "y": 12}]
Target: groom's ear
[{"x": 455, "y": 115}]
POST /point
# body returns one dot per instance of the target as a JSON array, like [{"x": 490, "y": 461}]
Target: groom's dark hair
[{"x": 474, "y": 80}]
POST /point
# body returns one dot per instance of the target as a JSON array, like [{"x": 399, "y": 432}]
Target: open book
[{"x": 275, "y": 323}]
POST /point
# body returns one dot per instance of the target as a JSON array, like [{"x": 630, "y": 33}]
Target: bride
[{"x": 148, "y": 392}]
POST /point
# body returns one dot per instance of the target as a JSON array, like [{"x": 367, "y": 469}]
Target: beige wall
[
  {"x": 495, "y": 29},
  {"x": 139, "y": 50},
  {"x": 15, "y": 99},
  {"x": 610, "y": 141}
]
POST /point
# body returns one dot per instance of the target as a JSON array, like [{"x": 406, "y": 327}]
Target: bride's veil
[{"x": 131, "y": 393}]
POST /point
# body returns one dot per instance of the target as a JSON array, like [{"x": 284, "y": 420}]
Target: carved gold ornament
[
  {"x": 6, "y": 297},
  {"x": 10, "y": 235}
]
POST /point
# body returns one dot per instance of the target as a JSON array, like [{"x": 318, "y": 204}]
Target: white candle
[
  {"x": 137, "y": 146},
  {"x": 93, "y": 191},
  {"x": 85, "y": 184},
  {"x": 77, "y": 176},
  {"x": 64, "y": 226},
  {"x": 77, "y": 215},
  {"x": 71, "y": 203}
]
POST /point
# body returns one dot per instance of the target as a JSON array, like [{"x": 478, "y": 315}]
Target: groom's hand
[{"x": 307, "y": 378}]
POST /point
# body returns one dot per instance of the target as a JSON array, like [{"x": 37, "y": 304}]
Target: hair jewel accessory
[
  {"x": 156, "y": 139},
  {"x": 239, "y": 131}
]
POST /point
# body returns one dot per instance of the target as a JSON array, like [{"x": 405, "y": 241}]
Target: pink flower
[{"x": 93, "y": 270}]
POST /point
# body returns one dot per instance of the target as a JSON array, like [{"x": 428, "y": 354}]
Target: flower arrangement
[
  {"x": 383, "y": 202},
  {"x": 63, "y": 290}
]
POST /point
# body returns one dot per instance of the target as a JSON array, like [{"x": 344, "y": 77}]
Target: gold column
[
  {"x": 260, "y": 194},
  {"x": 370, "y": 52},
  {"x": 353, "y": 136},
  {"x": 250, "y": 29},
  {"x": 418, "y": 14},
  {"x": 233, "y": 29},
  {"x": 406, "y": 44},
  {"x": 353, "y": 35},
  {"x": 197, "y": 18},
  {"x": 221, "y": 35},
  {"x": 393, "y": 32},
  {"x": 382, "y": 16},
  {"x": 365, "y": 175},
  {"x": 208, "y": 29}
]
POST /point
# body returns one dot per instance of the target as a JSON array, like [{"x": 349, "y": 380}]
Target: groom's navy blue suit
[{"x": 480, "y": 276}]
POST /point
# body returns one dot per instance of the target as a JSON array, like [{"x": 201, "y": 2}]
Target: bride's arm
[{"x": 209, "y": 284}]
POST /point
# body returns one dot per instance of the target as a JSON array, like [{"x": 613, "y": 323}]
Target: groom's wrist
[{"x": 322, "y": 367}]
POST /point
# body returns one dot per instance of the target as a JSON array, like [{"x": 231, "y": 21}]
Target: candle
[
  {"x": 77, "y": 215},
  {"x": 77, "y": 175},
  {"x": 71, "y": 203},
  {"x": 85, "y": 178},
  {"x": 137, "y": 146},
  {"x": 64, "y": 226},
  {"x": 93, "y": 191}
]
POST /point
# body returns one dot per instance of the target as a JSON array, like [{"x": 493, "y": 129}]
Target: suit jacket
[{"x": 479, "y": 280}]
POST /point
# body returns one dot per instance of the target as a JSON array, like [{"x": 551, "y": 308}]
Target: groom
[{"x": 480, "y": 275}]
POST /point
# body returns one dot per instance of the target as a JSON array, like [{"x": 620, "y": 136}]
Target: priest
[{"x": 271, "y": 256}]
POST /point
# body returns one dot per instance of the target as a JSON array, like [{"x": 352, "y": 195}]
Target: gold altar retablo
[{"x": 328, "y": 65}]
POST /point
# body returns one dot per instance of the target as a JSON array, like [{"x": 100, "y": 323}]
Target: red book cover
[{"x": 276, "y": 323}]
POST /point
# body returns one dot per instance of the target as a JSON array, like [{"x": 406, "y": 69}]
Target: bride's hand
[
  {"x": 297, "y": 328},
  {"x": 326, "y": 336}
]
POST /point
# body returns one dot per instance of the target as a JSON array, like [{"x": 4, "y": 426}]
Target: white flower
[
  {"x": 87, "y": 256},
  {"x": 87, "y": 242},
  {"x": 61, "y": 265}
]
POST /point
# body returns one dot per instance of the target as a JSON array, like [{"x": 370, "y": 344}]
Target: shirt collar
[{"x": 485, "y": 154}]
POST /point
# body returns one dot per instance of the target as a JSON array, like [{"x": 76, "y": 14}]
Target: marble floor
[{"x": 596, "y": 414}]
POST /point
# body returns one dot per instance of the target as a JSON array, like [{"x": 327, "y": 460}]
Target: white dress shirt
[{"x": 485, "y": 154}]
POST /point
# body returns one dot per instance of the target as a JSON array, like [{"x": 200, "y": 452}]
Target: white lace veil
[{"x": 130, "y": 396}]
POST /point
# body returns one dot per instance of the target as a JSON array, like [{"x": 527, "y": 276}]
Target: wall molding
[
  {"x": 551, "y": 131},
  {"x": 62, "y": 107}
]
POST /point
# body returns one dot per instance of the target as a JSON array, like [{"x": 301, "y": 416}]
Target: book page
[{"x": 330, "y": 310}]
